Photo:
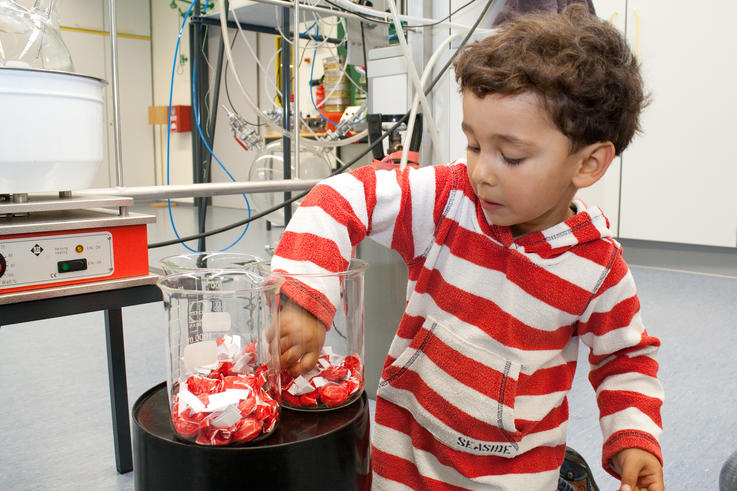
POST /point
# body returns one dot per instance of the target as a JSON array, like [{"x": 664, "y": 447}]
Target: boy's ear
[{"x": 595, "y": 160}]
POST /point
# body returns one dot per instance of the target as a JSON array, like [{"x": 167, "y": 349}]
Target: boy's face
[{"x": 519, "y": 162}]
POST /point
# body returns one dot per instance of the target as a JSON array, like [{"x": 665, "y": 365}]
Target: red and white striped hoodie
[{"x": 473, "y": 391}]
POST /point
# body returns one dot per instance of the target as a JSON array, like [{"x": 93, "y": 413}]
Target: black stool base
[{"x": 308, "y": 451}]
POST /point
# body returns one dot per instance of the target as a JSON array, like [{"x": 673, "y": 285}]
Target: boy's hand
[
  {"x": 639, "y": 468},
  {"x": 301, "y": 338}
]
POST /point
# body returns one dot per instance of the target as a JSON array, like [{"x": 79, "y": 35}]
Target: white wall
[{"x": 675, "y": 181}]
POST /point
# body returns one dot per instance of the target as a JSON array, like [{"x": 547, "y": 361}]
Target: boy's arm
[
  {"x": 396, "y": 209},
  {"x": 623, "y": 368}
]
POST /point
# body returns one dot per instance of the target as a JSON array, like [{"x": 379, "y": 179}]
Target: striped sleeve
[
  {"x": 623, "y": 366},
  {"x": 395, "y": 208}
]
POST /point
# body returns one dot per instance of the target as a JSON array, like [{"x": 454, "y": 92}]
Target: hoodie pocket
[{"x": 460, "y": 392}]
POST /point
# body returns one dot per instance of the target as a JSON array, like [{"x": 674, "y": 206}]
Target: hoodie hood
[{"x": 587, "y": 225}]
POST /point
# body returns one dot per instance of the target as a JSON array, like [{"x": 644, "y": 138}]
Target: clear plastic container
[
  {"x": 223, "y": 375},
  {"x": 338, "y": 378},
  {"x": 211, "y": 260}
]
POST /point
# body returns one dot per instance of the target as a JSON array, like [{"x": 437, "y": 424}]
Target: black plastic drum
[{"x": 309, "y": 451}]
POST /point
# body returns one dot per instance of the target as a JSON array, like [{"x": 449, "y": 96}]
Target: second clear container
[{"x": 336, "y": 300}]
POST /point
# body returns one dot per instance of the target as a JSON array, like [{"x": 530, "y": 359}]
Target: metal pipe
[
  {"x": 295, "y": 70},
  {"x": 286, "y": 90},
  {"x": 116, "y": 96},
  {"x": 199, "y": 161},
  {"x": 201, "y": 190},
  {"x": 212, "y": 116}
]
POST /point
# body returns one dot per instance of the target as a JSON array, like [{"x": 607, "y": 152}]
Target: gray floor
[{"x": 55, "y": 417}]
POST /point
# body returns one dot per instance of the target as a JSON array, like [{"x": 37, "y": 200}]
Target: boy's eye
[
  {"x": 512, "y": 161},
  {"x": 471, "y": 148}
]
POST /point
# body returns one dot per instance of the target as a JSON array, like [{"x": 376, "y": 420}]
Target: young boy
[{"x": 508, "y": 272}]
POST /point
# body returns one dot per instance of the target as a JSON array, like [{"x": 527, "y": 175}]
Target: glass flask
[
  {"x": 30, "y": 37},
  {"x": 211, "y": 260},
  {"x": 338, "y": 377},
  {"x": 223, "y": 372},
  {"x": 269, "y": 166}
]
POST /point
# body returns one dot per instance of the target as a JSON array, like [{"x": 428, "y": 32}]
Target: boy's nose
[{"x": 484, "y": 173}]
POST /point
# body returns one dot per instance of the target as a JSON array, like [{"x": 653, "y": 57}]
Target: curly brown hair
[{"x": 580, "y": 65}]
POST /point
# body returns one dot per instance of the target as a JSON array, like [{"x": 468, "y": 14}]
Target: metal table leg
[{"x": 118, "y": 389}]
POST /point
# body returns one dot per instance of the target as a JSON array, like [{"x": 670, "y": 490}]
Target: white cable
[
  {"x": 277, "y": 24},
  {"x": 252, "y": 103},
  {"x": 314, "y": 135},
  {"x": 320, "y": 20},
  {"x": 323, "y": 18},
  {"x": 253, "y": 52},
  {"x": 354, "y": 83},
  {"x": 277, "y": 92},
  {"x": 416, "y": 101},
  {"x": 432, "y": 129},
  {"x": 353, "y": 8},
  {"x": 296, "y": 57},
  {"x": 229, "y": 54}
]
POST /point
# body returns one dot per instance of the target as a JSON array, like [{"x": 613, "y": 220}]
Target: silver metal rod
[
  {"x": 116, "y": 96},
  {"x": 295, "y": 73},
  {"x": 202, "y": 190}
]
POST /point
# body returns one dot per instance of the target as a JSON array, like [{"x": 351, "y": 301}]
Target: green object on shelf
[
  {"x": 393, "y": 39},
  {"x": 358, "y": 76},
  {"x": 342, "y": 47}
]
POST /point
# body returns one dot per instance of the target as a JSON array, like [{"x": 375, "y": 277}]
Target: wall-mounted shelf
[{"x": 259, "y": 13}]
